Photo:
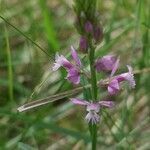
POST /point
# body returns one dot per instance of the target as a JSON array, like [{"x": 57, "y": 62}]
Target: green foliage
[
  {"x": 49, "y": 29},
  {"x": 10, "y": 72}
]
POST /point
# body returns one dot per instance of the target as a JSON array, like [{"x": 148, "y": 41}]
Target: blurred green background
[{"x": 26, "y": 75}]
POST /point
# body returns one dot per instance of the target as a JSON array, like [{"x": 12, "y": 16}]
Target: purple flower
[
  {"x": 75, "y": 56},
  {"x": 72, "y": 69},
  {"x": 92, "y": 108},
  {"x": 73, "y": 75},
  {"x": 107, "y": 63},
  {"x": 98, "y": 34},
  {"x": 88, "y": 27},
  {"x": 114, "y": 87},
  {"x": 61, "y": 61},
  {"x": 83, "y": 45}
]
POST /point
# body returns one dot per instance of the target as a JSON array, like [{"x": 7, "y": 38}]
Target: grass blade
[
  {"x": 25, "y": 36},
  {"x": 10, "y": 71},
  {"x": 49, "y": 28}
]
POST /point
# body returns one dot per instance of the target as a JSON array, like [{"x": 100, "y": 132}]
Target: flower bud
[
  {"x": 88, "y": 27},
  {"x": 98, "y": 34},
  {"x": 83, "y": 45}
]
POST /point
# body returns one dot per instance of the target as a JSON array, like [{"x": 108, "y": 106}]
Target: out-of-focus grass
[
  {"x": 10, "y": 72},
  {"x": 60, "y": 125}
]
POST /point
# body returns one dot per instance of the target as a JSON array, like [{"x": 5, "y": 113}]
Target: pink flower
[
  {"x": 106, "y": 63},
  {"x": 72, "y": 69},
  {"x": 75, "y": 56},
  {"x": 61, "y": 61},
  {"x": 92, "y": 108},
  {"x": 114, "y": 87}
]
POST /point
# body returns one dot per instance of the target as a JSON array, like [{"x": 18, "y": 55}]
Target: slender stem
[
  {"x": 94, "y": 136},
  {"x": 93, "y": 91},
  {"x": 37, "y": 45},
  {"x": 93, "y": 73}
]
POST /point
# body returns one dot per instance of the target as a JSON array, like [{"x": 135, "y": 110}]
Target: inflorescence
[{"x": 107, "y": 64}]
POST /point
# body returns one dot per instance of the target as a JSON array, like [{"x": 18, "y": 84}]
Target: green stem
[
  {"x": 94, "y": 136},
  {"x": 93, "y": 127},
  {"x": 93, "y": 73}
]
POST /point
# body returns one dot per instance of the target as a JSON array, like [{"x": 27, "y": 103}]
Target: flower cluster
[
  {"x": 92, "y": 31},
  {"x": 108, "y": 64},
  {"x": 73, "y": 69}
]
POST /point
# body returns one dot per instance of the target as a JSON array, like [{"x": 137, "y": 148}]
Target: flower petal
[
  {"x": 73, "y": 76},
  {"x": 61, "y": 61},
  {"x": 106, "y": 63},
  {"x": 130, "y": 68},
  {"x": 106, "y": 103},
  {"x": 57, "y": 63},
  {"x": 113, "y": 87},
  {"x": 56, "y": 66},
  {"x": 93, "y": 106},
  {"x": 79, "y": 101},
  {"x": 75, "y": 56},
  {"x": 65, "y": 63},
  {"x": 115, "y": 67},
  {"x": 92, "y": 117},
  {"x": 128, "y": 76}
]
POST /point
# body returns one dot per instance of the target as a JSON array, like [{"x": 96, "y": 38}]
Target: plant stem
[
  {"x": 93, "y": 127},
  {"x": 93, "y": 73}
]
